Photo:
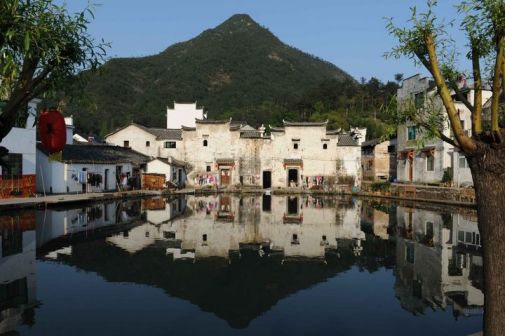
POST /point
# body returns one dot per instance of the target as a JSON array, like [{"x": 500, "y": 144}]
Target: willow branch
[
  {"x": 465, "y": 142},
  {"x": 495, "y": 99},
  {"x": 461, "y": 96},
  {"x": 477, "y": 92}
]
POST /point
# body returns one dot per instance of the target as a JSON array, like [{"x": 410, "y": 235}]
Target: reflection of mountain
[
  {"x": 237, "y": 290},
  {"x": 235, "y": 257},
  {"x": 219, "y": 224},
  {"x": 439, "y": 262}
]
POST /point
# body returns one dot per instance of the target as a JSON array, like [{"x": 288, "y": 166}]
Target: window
[
  {"x": 204, "y": 237},
  {"x": 205, "y": 143},
  {"x": 295, "y": 146},
  {"x": 148, "y": 143},
  {"x": 391, "y": 149},
  {"x": 429, "y": 230},
  {"x": 325, "y": 146},
  {"x": 168, "y": 235},
  {"x": 126, "y": 143},
  {"x": 462, "y": 161},
  {"x": 430, "y": 163},
  {"x": 170, "y": 144},
  {"x": 419, "y": 99},
  {"x": 409, "y": 253},
  {"x": 14, "y": 169},
  {"x": 174, "y": 174},
  {"x": 208, "y": 169},
  {"x": 411, "y": 133}
]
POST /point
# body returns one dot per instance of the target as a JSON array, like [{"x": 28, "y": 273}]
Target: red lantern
[{"x": 52, "y": 131}]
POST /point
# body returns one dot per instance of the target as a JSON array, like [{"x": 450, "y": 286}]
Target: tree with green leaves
[
  {"x": 42, "y": 47},
  {"x": 425, "y": 40}
]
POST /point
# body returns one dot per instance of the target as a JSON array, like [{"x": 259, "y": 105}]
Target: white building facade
[
  {"x": 184, "y": 115},
  {"x": 225, "y": 153},
  {"x": 18, "y": 178},
  {"x": 423, "y": 160}
]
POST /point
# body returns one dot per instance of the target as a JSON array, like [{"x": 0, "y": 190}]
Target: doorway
[
  {"x": 106, "y": 180},
  {"x": 292, "y": 205},
  {"x": 267, "y": 179},
  {"x": 85, "y": 184},
  {"x": 293, "y": 178},
  {"x": 411, "y": 168},
  {"x": 225, "y": 177}
]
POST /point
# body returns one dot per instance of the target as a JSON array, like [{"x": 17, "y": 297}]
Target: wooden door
[
  {"x": 225, "y": 177},
  {"x": 411, "y": 169}
]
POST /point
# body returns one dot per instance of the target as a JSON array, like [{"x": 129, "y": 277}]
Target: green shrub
[
  {"x": 447, "y": 177},
  {"x": 380, "y": 186}
]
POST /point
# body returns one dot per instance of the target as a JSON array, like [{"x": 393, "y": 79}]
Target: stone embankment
[{"x": 410, "y": 192}]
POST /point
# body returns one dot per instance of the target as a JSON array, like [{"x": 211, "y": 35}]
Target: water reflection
[
  {"x": 237, "y": 257},
  {"x": 17, "y": 270},
  {"x": 439, "y": 262}
]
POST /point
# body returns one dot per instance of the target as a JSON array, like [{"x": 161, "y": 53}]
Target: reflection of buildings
[
  {"x": 56, "y": 227},
  {"x": 231, "y": 256},
  {"x": 375, "y": 217},
  {"x": 439, "y": 261},
  {"x": 17, "y": 270},
  {"x": 222, "y": 225}
]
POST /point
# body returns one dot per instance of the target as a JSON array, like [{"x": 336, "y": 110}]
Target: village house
[
  {"x": 18, "y": 174},
  {"x": 378, "y": 160},
  {"x": 89, "y": 168},
  {"x": 427, "y": 161},
  {"x": 228, "y": 153}
]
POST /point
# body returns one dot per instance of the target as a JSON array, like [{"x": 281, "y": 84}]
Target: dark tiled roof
[
  {"x": 346, "y": 140},
  {"x": 293, "y": 162},
  {"x": 372, "y": 142},
  {"x": 172, "y": 161},
  {"x": 333, "y": 132},
  {"x": 225, "y": 161},
  {"x": 186, "y": 128},
  {"x": 159, "y": 133},
  {"x": 304, "y": 123},
  {"x": 250, "y": 134},
  {"x": 163, "y": 133},
  {"x": 212, "y": 121},
  {"x": 85, "y": 153},
  {"x": 276, "y": 129},
  {"x": 234, "y": 127}
]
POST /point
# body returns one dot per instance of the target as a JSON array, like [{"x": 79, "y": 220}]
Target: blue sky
[{"x": 349, "y": 33}]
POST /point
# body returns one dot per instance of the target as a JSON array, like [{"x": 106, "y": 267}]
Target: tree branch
[
  {"x": 462, "y": 138},
  {"x": 477, "y": 92},
  {"x": 461, "y": 97},
  {"x": 495, "y": 99}
]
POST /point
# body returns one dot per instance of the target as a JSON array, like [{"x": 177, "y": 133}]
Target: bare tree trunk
[{"x": 489, "y": 180}]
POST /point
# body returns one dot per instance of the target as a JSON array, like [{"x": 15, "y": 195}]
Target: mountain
[{"x": 238, "y": 69}]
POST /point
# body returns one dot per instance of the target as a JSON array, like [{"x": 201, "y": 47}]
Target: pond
[{"x": 241, "y": 265}]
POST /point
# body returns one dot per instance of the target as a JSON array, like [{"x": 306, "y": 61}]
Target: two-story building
[
  {"x": 425, "y": 160},
  {"x": 378, "y": 160}
]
